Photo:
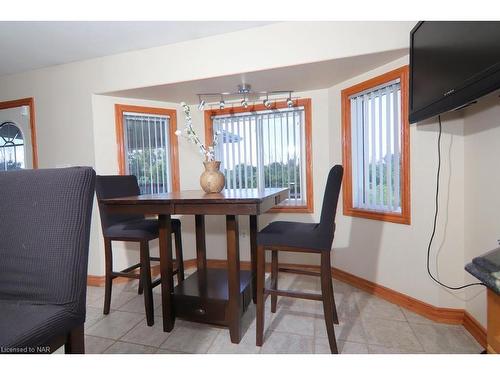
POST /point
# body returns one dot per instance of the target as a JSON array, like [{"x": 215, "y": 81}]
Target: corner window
[
  {"x": 147, "y": 147},
  {"x": 376, "y": 148},
  {"x": 266, "y": 148}
]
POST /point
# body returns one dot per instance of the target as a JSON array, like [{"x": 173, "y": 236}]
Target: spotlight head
[
  {"x": 289, "y": 102},
  {"x": 244, "y": 103},
  {"x": 201, "y": 105},
  {"x": 267, "y": 103},
  {"x": 222, "y": 104}
]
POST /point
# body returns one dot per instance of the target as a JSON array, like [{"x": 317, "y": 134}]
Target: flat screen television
[{"x": 452, "y": 63}]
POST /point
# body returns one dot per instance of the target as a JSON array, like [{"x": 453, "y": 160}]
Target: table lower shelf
[{"x": 203, "y": 296}]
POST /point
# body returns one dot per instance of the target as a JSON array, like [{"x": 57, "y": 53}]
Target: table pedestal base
[{"x": 203, "y": 296}]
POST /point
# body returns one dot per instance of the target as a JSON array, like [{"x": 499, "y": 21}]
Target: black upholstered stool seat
[
  {"x": 138, "y": 229},
  {"x": 293, "y": 234}
]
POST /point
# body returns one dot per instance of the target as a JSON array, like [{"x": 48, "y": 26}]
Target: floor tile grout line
[
  {"x": 459, "y": 328},
  {"x": 143, "y": 319},
  {"x": 315, "y": 338},
  {"x": 415, "y": 334},
  {"x": 213, "y": 341},
  {"x": 130, "y": 330},
  {"x": 391, "y": 347},
  {"x": 147, "y": 346}
]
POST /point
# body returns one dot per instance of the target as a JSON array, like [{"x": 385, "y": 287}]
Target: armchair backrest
[{"x": 45, "y": 227}]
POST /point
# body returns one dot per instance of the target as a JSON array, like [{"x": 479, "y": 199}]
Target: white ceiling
[
  {"x": 31, "y": 45},
  {"x": 303, "y": 77}
]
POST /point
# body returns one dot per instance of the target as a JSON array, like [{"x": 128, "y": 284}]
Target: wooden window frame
[
  {"x": 405, "y": 216},
  {"x": 173, "y": 144},
  {"x": 30, "y": 102},
  {"x": 306, "y": 103}
]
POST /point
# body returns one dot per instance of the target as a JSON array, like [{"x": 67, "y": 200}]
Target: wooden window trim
[
  {"x": 306, "y": 103},
  {"x": 30, "y": 102},
  {"x": 174, "y": 149},
  {"x": 405, "y": 216}
]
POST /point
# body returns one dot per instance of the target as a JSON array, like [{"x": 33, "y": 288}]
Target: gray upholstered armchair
[{"x": 44, "y": 240}]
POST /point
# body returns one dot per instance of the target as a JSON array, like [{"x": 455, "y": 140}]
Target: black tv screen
[{"x": 452, "y": 63}]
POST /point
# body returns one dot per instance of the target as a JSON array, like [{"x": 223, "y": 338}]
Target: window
[
  {"x": 376, "y": 148},
  {"x": 266, "y": 148},
  {"x": 11, "y": 147},
  {"x": 147, "y": 147}
]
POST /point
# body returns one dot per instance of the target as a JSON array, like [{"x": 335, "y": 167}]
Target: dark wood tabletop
[{"x": 227, "y": 202}]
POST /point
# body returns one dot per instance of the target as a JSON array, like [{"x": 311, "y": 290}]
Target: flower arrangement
[{"x": 208, "y": 153}]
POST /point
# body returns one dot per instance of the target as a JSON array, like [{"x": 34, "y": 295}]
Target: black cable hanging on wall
[{"x": 435, "y": 220}]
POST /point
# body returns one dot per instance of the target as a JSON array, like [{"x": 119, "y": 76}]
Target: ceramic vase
[{"x": 212, "y": 180}]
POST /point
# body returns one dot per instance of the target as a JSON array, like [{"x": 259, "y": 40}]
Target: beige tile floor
[{"x": 367, "y": 325}]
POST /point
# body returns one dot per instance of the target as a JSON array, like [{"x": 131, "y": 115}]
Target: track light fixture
[{"x": 243, "y": 95}]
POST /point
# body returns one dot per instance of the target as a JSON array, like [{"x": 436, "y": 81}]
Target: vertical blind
[
  {"x": 264, "y": 149},
  {"x": 376, "y": 148},
  {"x": 147, "y": 151}
]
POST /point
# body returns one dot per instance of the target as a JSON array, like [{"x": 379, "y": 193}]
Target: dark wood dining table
[{"x": 215, "y": 296}]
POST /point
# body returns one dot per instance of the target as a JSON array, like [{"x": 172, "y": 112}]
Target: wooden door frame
[{"x": 30, "y": 102}]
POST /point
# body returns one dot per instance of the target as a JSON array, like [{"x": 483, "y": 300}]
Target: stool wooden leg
[
  {"x": 261, "y": 255},
  {"x": 328, "y": 299},
  {"x": 146, "y": 282},
  {"x": 108, "y": 278},
  {"x": 274, "y": 279},
  {"x": 140, "y": 289},
  {"x": 178, "y": 255},
  {"x": 253, "y": 254},
  {"x": 335, "y": 315}
]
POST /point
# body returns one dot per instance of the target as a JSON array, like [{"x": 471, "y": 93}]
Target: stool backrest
[
  {"x": 329, "y": 210},
  {"x": 108, "y": 187}
]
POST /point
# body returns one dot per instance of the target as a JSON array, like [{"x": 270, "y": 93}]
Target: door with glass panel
[{"x": 17, "y": 146}]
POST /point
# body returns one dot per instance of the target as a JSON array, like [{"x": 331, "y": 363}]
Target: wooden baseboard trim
[
  {"x": 475, "y": 329},
  {"x": 437, "y": 314}
]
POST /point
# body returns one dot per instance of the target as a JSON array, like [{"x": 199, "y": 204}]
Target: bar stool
[
  {"x": 132, "y": 228},
  {"x": 305, "y": 238}
]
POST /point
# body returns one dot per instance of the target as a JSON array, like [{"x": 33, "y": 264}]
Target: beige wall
[
  {"x": 482, "y": 198},
  {"x": 392, "y": 254},
  {"x": 76, "y": 127}
]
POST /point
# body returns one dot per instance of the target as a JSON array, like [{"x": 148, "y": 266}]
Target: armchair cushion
[{"x": 25, "y": 324}]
